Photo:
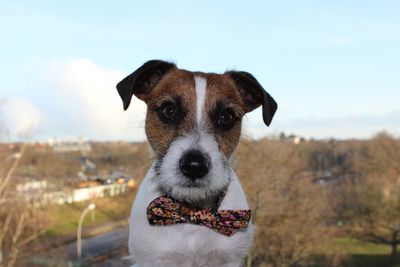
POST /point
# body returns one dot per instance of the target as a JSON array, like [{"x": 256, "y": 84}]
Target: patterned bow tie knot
[{"x": 167, "y": 211}]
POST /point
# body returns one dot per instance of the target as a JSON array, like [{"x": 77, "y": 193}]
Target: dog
[{"x": 193, "y": 125}]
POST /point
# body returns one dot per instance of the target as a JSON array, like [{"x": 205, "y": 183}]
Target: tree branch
[{"x": 10, "y": 172}]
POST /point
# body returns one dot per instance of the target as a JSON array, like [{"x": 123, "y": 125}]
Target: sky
[{"x": 332, "y": 66}]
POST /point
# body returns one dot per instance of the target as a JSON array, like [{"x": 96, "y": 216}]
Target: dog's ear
[
  {"x": 142, "y": 80},
  {"x": 253, "y": 94}
]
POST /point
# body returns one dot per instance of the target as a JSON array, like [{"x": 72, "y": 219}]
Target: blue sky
[{"x": 333, "y": 67}]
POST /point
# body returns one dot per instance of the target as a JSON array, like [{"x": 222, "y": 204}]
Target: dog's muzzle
[{"x": 194, "y": 164}]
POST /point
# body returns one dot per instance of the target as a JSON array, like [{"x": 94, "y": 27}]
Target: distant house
[
  {"x": 87, "y": 165},
  {"x": 293, "y": 139},
  {"x": 83, "y": 194},
  {"x": 70, "y": 146},
  {"x": 296, "y": 139},
  {"x": 32, "y": 186},
  {"x": 327, "y": 177},
  {"x": 39, "y": 194}
]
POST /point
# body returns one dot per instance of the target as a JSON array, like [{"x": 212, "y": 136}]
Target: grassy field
[
  {"x": 64, "y": 219},
  {"x": 363, "y": 254}
]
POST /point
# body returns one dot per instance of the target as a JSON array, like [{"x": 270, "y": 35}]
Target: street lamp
[{"x": 90, "y": 207}]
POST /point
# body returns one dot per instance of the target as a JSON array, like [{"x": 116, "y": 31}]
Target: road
[{"x": 105, "y": 250}]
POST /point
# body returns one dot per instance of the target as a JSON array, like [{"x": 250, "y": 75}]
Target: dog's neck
[{"x": 211, "y": 203}]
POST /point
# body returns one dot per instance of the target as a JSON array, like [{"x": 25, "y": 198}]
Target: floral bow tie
[{"x": 166, "y": 211}]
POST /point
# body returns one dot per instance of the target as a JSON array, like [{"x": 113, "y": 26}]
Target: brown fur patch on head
[
  {"x": 222, "y": 90},
  {"x": 176, "y": 84}
]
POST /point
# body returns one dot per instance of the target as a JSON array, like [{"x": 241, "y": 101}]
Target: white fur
[
  {"x": 185, "y": 244},
  {"x": 200, "y": 86}
]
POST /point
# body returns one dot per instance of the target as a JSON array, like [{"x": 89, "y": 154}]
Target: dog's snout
[{"x": 194, "y": 165}]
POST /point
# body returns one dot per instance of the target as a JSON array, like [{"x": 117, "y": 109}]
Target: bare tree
[
  {"x": 18, "y": 226},
  {"x": 373, "y": 202},
  {"x": 289, "y": 212},
  {"x": 18, "y": 220}
]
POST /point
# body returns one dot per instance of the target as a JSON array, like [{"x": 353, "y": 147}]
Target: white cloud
[
  {"x": 21, "y": 117},
  {"x": 88, "y": 101}
]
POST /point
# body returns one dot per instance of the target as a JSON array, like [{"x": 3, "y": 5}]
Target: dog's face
[{"x": 193, "y": 123}]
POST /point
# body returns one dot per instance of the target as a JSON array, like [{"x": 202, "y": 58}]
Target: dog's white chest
[{"x": 185, "y": 244}]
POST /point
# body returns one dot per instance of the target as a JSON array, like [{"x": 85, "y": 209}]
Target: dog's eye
[
  {"x": 168, "y": 112},
  {"x": 226, "y": 119}
]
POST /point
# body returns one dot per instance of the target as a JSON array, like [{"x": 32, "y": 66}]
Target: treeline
[
  {"x": 305, "y": 195},
  {"x": 302, "y": 195}
]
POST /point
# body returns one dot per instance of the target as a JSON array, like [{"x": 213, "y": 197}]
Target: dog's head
[{"x": 193, "y": 123}]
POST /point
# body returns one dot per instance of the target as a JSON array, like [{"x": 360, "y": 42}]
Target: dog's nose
[{"x": 194, "y": 165}]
